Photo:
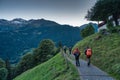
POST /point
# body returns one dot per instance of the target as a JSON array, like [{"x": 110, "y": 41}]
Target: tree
[
  {"x": 3, "y": 74},
  {"x": 3, "y": 70},
  {"x": 2, "y": 63},
  {"x": 110, "y": 26},
  {"x": 103, "y": 9},
  {"x": 45, "y": 51},
  {"x": 87, "y": 31},
  {"x": 8, "y": 67},
  {"x": 25, "y": 63}
]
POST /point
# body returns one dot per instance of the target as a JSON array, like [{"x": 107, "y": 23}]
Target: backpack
[
  {"x": 89, "y": 52},
  {"x": 76, "y": 52}
]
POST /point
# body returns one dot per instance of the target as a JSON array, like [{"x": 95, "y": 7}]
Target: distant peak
[{"x": 18, "y": 19}]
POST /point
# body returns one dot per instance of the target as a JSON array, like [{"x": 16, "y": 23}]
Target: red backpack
[{"x": 89, "y": 52}]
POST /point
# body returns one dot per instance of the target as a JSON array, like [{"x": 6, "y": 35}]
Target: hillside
[
  {"x": 18, "y": 36},
  {"x": 106, "y": 54},
  {"x": 54, "y": 69}
]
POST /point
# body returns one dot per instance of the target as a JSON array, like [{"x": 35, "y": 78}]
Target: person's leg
[
  {"x": 88, "y": 61},
  {"x": 76, "y": 59},
  {"x": 78, "y": 63}
]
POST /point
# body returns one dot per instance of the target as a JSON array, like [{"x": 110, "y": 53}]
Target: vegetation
[
  {"x": 9, "y": 69},
  {"x": 45, "y": 51},
  {"x": 54, "y": 69},
  {"x": 25, "y": 63},
  {"x": 89, "y": 30},
  {"x": 3, "y": 73},
  {"x": 103, "y": 9},
  {"x": 25, "y": 36},
  {"x": 3, "y": 70},
  {"x": 105, "y": 52},
  {"x": 110, "y": 26},
  {"x": 2, "y": 63}
]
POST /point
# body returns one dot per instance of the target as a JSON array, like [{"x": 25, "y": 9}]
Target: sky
[{"x": 70, "y": 12}]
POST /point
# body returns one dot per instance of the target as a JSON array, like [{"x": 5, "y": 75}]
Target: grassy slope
[
  {"x": 54, "y": 69},
  {"x": 106, "y": 52}
]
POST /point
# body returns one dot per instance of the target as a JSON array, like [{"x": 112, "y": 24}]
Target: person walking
[
  {"x": 88, "y": 53},
  {"x": 65, "y": 49},
  {"x": 70, "y": 49},
  {"x": 76, "y": 53}
]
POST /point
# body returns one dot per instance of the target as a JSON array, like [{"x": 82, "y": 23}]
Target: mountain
[
  {"x": 106, "y": 52},
  {"x": 53, "y": 69},
  {"x": 18, "y": 36}
]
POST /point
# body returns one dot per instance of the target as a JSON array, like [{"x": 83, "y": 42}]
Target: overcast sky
[{"x": 70, "y": 12}]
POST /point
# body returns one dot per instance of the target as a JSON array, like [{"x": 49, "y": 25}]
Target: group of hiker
[
  {"x": 76, "y": 52},
  {"x": 87, "y": 52}
]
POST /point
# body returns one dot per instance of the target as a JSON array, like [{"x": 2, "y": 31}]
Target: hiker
[
  {"x": 65, "y": 49},
  {"x": 76, "y": 53},
  {"x": 70, "y": 49},
  {"x": 88, "y": 53}
]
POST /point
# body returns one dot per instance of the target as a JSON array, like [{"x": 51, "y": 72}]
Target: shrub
[
  {"x": 25, "y": 63},
  {"x": 2, "y": 63},
  {"x": 45, "y": 51},
  {"x": 110, "y": 27},
  {"x": 89, "y": 30},
  {"x": 3, "y": 74}
]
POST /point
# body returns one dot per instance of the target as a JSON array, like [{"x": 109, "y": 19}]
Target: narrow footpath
[{"x": 91, "y": 72}]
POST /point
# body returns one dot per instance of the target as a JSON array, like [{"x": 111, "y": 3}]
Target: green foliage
[
  {"x": 2, "y": 63},
  {"x": 54, "y": 69},
  {"x": 3, "y": 70},
  {"x": 105, "y": 52},
  {"x": 103, "y": 9},
  {"x": 25, "y": 63},
  {"x": 45, "y": 51},
  {"x": 118, "y": 29},
  {"x": 110, "y": 26},
  {"x": 3, "y": 74},
  {"x": 89, "y": 30},
  {"x": 103, "y": 31},
  {"x": 8, "y": 67},
  {"x": 116, "y": 68}
]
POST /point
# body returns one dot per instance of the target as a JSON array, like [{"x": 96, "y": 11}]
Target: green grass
[
  {"x": 106, "y": 52},
  {"x": 54, "y": 69}
]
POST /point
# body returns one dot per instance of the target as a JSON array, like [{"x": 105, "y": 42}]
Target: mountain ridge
[{"x": 17, "y": 38}]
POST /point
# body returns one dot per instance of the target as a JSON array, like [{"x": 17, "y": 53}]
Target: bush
[
  {"x": 110, "y": 27},
  {"x": 118, "y": 29},
  {"x": 104, "y": 32},
  {"x": 89, "y": 30},
  {"x": 3, "y": 74},
  {"x": 2, "y": 63},
  {"x": 25, "y": 63},
  {"x": 45, "y": 51}
]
